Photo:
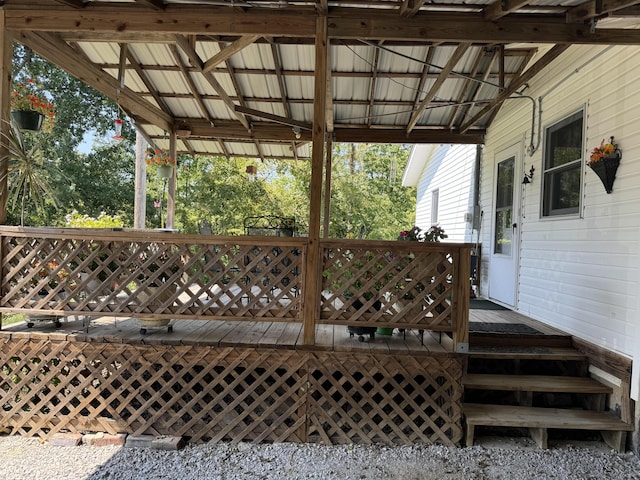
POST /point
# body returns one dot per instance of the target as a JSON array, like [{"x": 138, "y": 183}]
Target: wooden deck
[{"x": 279, "y": 335}]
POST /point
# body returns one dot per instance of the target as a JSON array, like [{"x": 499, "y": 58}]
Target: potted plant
[
  {"x": 164, "y": 162},
  {"x": 31, "y": 110},
  {"x": 604, "y": 161}
]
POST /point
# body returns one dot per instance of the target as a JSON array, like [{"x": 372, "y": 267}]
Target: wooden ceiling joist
[
  {"x": 597, "y": 8},
  {"x": 501, "y": 8}
]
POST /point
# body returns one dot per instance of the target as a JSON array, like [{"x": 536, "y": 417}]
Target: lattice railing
[
  {"x": 227, "y": 394},
  {"x": 393, "y": 284},
  {"x": 134, "y": 274}
]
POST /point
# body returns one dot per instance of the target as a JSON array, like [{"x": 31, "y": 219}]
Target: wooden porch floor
[{"x": 280, "y": 335}]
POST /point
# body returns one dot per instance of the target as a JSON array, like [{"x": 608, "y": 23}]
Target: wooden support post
[
  {"x": 171, "y": 195},
  {"x": 140, "y": 204},
  {"x": 327, "y": 190},
  {"x": 540, "y": 436},
  {"x": 312, "y": 280},
  {"x": 6, "y": 47},
  {"x": 461, "y": 299}
]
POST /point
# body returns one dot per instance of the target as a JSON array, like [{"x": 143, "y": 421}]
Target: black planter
[
  {"x": 27, "y": 119},
  {"x": 362, "y": 331},
  {"x": 606, "y": 170}
]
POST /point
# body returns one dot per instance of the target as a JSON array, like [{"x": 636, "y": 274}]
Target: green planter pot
[
  {"x": 165, "y": 171},
  {"x": 27, "y": 119},
  {"x": 384, "y": 331}
]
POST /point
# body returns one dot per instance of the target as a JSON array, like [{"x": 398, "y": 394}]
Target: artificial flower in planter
[
  {"x": 31, "y": 110},
  {"x": 161, "y": 158},
  {"x": 604, "y": 161}
]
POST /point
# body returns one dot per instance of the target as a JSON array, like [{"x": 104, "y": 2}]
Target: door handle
[{"x": 515, "y": 225}]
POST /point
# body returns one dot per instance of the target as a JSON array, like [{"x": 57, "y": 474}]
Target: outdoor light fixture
[
  {"x": 528, "y": 176},
  {"x": 297, "y": 132}
]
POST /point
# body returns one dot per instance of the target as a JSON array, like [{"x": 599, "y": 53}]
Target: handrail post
[{"x": 462, "y": 292}]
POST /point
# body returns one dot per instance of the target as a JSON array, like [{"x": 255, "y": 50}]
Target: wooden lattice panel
[
  {"x": 215, "y": 279},
  {"x": 398, "y": 284},
  {"x": 199, "y": 392},
  {"x": 385, "y": 399}
]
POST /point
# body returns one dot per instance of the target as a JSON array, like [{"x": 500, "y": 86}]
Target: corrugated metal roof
[{"x": 249, "y": 101}]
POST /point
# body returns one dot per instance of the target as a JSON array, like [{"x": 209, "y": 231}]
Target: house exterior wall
[
  {"x": 577, "y": 273},
  {"x": 448, "y": 169}
]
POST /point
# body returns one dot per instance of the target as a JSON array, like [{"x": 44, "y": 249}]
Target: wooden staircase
[{"x": 511, "y": 385}]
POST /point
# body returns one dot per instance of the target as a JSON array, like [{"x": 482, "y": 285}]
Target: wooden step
[
  {"x": 534, "y": 383},
  {"x": 526, "y": 353},
  {"x": 538, "y": 420}
]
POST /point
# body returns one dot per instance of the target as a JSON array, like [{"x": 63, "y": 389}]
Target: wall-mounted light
[
  {"x": 528, "y": 176},
  {"x": 297, "y": 131}
]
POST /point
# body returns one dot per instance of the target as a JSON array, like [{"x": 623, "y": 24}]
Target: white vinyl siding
[
  {"x": 580, "y": 274},
  {"x": 449, "y": 171}
]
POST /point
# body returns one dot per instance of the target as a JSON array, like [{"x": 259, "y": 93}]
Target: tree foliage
[{"x": 367, "y": 198}]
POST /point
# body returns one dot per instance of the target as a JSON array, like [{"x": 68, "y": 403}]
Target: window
[
  {"x": 563, "y": 167},
  {"x": 435, "y": 195}
]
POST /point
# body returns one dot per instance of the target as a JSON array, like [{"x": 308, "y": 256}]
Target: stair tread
[
  {"x": 540, "y": 417},
  {"x": 536, "y": 353},
  {"x": 534, "y": 383}
]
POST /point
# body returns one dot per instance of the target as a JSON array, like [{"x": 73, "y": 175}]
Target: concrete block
[
  {"x": 92, "y": 438},
  {"x": 66, "y": 440},
  {"x": 139, "y": 441},
  {"x": 166, "y": 442}
]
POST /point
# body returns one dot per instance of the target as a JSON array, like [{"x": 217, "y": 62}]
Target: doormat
[
  {"x": 478, "y": 304},
  {"x": 484, "y": 327}
]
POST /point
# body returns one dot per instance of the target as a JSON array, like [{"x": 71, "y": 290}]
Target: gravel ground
[{"x": 507, "y": 459}]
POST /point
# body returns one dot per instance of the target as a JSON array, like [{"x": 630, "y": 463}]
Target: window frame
[
  {"x": 435, "y": 205},
  {"x": 548, "y": 174}
]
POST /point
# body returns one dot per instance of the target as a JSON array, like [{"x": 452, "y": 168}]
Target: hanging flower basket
[
  {"x": 604, "y": 161},
  {"x": 30, "y": 109},
  {"x": 28, "y": 119},
  {"x": 165, "y": 171}
]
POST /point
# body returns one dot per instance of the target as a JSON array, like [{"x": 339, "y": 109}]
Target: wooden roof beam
[
  {"x": 267, "y": 131},
  {"x": 372, "y": 86},
  {"x": 448, "y": 68},
  {"x": 224, "y": 54},
  {"x": 58, "y": 52},
  {"x": 128, "y": 18},
  {"x": 274, "y": 118},
  {"x": 597, "y": 8},
  {"x": 531, "y": 72},
  {"x": 501, "y": 8}
]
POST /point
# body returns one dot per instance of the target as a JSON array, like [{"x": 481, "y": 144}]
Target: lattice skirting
[{"x": 228, "y": 394}]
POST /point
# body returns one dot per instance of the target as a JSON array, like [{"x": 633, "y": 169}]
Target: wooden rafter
[
  {"x": 531, "y": 72},
  {"x": 236, "y": 87},
  {"x": 275, "y": 53},
  {"x": 472, "y": 98},
  {"x": 471, "y": 84},
  {"x": 197, "y": 62},
  {"x": 501, "y": 8},
  {"x": 409, "y": 8},
  {"x": 372, "y": 86},
  {"x": 274, "y": 118},
  {"x": 226, "y": 52},
  {"x": 446, "y": 70},
  {"x": 155, "y": 4},
  {"x": 58, "y": 52},
  {"x": 423, "y": 78},
  {"x": 73, "y": 3},
  {"x": 596, "y": 8}
]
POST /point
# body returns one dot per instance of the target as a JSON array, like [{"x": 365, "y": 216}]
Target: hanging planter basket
[
  {"x": 165, "y": 171},
  {"x": 606, "y": 169},
  {"x": 28, "y": 119}
]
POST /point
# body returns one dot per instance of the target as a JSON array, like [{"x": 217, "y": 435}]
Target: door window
[{"x": 504, "y": 207}]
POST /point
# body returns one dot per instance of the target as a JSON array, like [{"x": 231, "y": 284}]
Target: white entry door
[{"x": 503, "y": 270}]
